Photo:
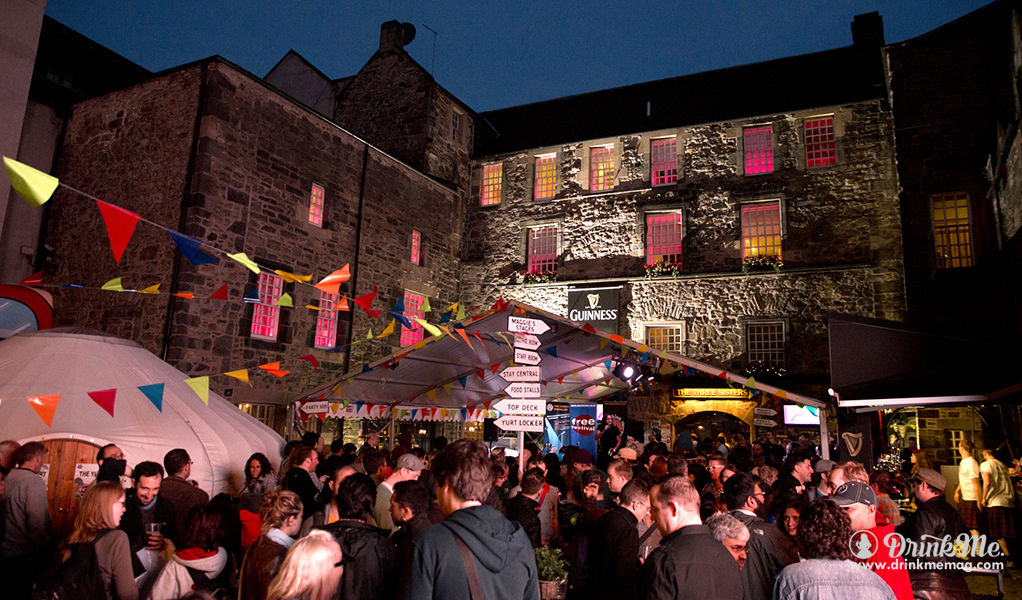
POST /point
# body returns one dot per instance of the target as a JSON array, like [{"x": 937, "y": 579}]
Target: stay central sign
[{"x": 596, "y": 306}]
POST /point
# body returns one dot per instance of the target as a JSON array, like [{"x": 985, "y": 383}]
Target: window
[
  {"x": 266, "y": 314},
  {"x": 262, "y": 412},
  {"x": 761, "y": 229},
  {"x": 759, "y": 150},
  {"x": 664, "y": 159},
  {"x": 493, "y": 179},
  {"x": 543, "y": 249},
  {"x": 316, "y": 205},
  {"x": 665, "y": 337},
  {"x": 954, "y": 438},
  {"x": 663, "y": 238},
  {"x": 416, "y": 247},
  {"x": 413, "y": 310},
  {"x": 326, "y": 322},
  {"x": 546, "y": 177},
  {"x": 951, "y": 235},
  {"x": 820, "y": 147},
  {"x": 601, "y": 168},
  {"x": 456, "y": 126},
  {"x": 764, "y": 343}
]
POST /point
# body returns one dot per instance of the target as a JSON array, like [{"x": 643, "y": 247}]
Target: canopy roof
[{"x": 573, "y": 365}]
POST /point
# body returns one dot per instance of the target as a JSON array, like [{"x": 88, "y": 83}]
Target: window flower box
[
  {"x": 534, "y": 278},
  {"x": 762, "y": 263},
  {"x": 662, "y": 269}
]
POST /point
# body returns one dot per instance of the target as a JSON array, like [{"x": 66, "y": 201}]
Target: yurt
[{"x": 66, "y": 376}]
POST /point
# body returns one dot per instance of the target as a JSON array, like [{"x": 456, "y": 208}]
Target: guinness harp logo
[
  {"x": 594, "y": 300},
  {"x": 853, "y": 441}
]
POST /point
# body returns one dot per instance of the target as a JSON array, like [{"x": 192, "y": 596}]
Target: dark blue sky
[{"x": 496, "y": 54}]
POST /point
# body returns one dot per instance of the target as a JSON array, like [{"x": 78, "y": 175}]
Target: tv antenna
[{"x": 432, "y": 64}]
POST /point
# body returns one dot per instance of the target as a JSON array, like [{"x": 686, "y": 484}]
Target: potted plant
[
  {"x": 534, "y": 278},
  {"x": 762, "y": 263},
  {"x": 663, "y": 269},
  {"x": 552, "y": 568}
]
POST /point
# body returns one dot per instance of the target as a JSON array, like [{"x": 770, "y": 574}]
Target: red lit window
[
  {"x": 413, "y": 310},
  {"x": 664, "y": 158},
  {"x": 601, "y": 169},
  {"x": 316, "y": 205},
  {"x": 663, "y": 238},
  {"x": 266, "y": 314},
  {"x": 326, "y": 322},
  {"x": 546, "y": 177},
  {"x": 543, "y": 249},
  {"x": 821, "y": 149},
  {"x": 761, "y": 230},
  {"x": 489, "y": 192},
  {"x": 416, "y": 246},
  {"x": 759, "y": 150}
]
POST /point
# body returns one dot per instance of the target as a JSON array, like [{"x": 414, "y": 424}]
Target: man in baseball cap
[
  {"x": 407, "y": 468},
  {"x": 868, "y": 540}
]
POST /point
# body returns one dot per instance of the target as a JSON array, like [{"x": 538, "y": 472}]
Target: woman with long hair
[
  {"x": 920, "y": 460},
  {"x": 98, "y": 517},
  {"x": 311, "y": 570},
  {"x": 202, "y": 563},
  {"x": 259, "y": 477},
  {"x": 282, "y": 519}
]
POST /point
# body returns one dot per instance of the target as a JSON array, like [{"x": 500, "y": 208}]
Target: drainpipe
[{"x": 358, "y": 250}]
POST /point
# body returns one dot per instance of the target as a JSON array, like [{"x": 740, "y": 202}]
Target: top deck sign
[{"x": 524, "y": 325}]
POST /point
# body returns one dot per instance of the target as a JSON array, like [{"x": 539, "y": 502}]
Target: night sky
[{"x": 496, "y": 54}]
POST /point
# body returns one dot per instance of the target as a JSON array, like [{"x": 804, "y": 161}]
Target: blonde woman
[
  {"x": 98, "y": 517},
  {"x": 311, "y": 570},
  {"x": 282, "y": 518}
]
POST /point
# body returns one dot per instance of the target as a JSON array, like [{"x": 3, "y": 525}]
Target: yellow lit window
[
  {"x": 546, "y": 177},
  {"x": 951, "y": 235},
  {"x": 761, "y": 229},
  {"x": 489, "y": 191},
  {"x": 601, "y": 169}
]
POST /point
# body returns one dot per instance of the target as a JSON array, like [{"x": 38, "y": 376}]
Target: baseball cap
[
  {"x": 627, "y": 454},
  {"x": 854, "y": 492},
  {"x": 410, "y": 461},
  {"x": 824, "y": 466},
  {"x": 582, "y": 457},
  {"x": 931, "y": 478}
]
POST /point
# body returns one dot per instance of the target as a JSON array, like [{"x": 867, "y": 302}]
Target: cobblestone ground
[{"x": 985, "y": 586}]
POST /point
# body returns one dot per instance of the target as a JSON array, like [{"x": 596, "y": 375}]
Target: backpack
[
  {"x": 219, "y": 587},
  {"x": 77, "y": 578}
]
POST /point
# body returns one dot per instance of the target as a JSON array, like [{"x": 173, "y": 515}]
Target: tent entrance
[{"x": 64, "y": 457}]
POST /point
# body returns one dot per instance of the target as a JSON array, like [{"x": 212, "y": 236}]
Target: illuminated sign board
[{"x": 711, "y": 393}]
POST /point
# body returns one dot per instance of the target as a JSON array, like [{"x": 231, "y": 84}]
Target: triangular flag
[
  {"x": 401, "y": 319},
  {"x": 331, "y": 284},
  {"x": 243, "y": 258},
  {"x": 220, "y": 294},
  {"x": 369, "y": 335},
  {"x": 425, "y": 305},
  {"x": 783, "y": 395},
  {"x": 252, "y": 296},
  {"x": 337, "y": 389},
  {"x": 189, "y": 246},
  {"x": 292, "y": 278},
  {"x": 419, "y": 345},
  {"x": 334, "y": 407},
  {"x": 588, "y": 328},
  {"x": 200, "y": 385},
  {"x": 105, "y": 399},
  {"x": 617, "y": 339},
  {"x": 241, "y": 375},
  {"x": 285, "y": 301},
  {"x": 155, "y": 394},
  {"x": 574, "y": 375},
  {"x": 399, "y": 306},
  {"x": 463, "y": 381},
  {"x": 365, "y": 369},
  {"x": 366, "y": 300},
  {"x": 493, "y": 368},
  {"x": 185, "y": 295},
  {"x": 461, "y": 332},
  {"x": 445, "y": 330},
  {"x": 481, "y": 373},
  {"x": 603, "y": 343},
  {"x": 311, "y": 307},
  {"x": 31, "y": 184},
  {"x": 322, "y": 416},
  {"x": 723, "y": 375},
  {"x": 45, "y": 406},
  {"x": 642, "y": 349},
  {"x": 429, "y": 328},
  {"x": 120, "y": 225},
  {"x": 311, "y": 359},
  {"x": 274, "y": 368},
  {"x": 388, "y": 330},
  {"x": 751, "y": 383},
  {"x": 445, "y": 317},
  {"x": 34, "y": 279},
  {"x": 114, "y": 285},
  {"x": 461, "y": 313},
  {"x": 552, "y": 351},
  {"x": 607, "y": 364},
  {"x": 447, "y": 388},
  {"x": 153, "y": 289},
  {"x": 560, "y": 379},
  {"x": 342, "y": 305},
  {"x": 431, "y": 394}
]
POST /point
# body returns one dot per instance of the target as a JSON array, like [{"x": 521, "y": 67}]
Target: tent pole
[
  {"x": 824, "y": 435},
  {"x": 391, "y": 428},
  {"x": 462, "y": 426},
  {"x": 521, "y": 454}
]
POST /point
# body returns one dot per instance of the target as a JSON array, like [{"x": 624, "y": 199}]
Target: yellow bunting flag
[
  {"x": 425, "y": 305},
  {"x": 751, "y": 383},
  {"x": 292, "y": 278},
  {"x": 369, "y": 335},
  {"x": 31, "y": 184},
  {"x": 153, "y": 289},
  {"x": 337, "y": 390},
  {"x": 783, "y": 395},
  {"x": 200, "y": 385},
  {"x": 114, "y": 285},
  {"x": 431, "y": 329},
  {"x": 334, "y": 407},
  {"x": 285, "y": 301},
  {"x": 431, "y": 394},
  {"x": 447, "y": 388},
  {"x": 331, "y": 284},
  {"x": 185, "y": 295},
  {"x": 311, "y": 307},
  {"x": 389, "y": 330},
  {"x": 642, "y": 349},
  {"x": 574, "y": 375},
  {"x": 603, "y": 343},
  {"x": 445, "y": 330},
  {"x": 452, "y": 308},
  {"x": 243, "y": 258},
  {"x": 241, "y": 375},
  {"x": 419, "y": 345}
]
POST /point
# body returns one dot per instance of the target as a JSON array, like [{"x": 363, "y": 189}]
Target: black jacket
[
  {"x": 405, "y": 535},
  {"x": 504, "y": 559},
  {"x": 131, "y": 521},
  {"x": 614, "y": 555},
  {"x": 690, "y": 564},
  {"x": 936, "y": 518},
  {"x": 769, "y": 551},
  {"x": 371, "y": 570},
  {"x": 524, "y": 511},
  {"x": 300, "y": 482}
]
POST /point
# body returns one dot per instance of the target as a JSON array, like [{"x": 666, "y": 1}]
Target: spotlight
[{"x": 627, "y": 372}]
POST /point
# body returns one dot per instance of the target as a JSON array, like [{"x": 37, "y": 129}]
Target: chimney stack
[
  {"x": 868, "y": 29},
  {"x": 392, "y": 36}
]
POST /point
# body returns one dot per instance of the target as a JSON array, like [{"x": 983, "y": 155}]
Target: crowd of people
[{"x": 711, "y": 519}]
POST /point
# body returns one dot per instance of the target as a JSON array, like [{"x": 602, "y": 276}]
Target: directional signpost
[
  {"x": 764, "y": 423},
  {"x": 515, "y": 406},
  {"x": 522, "y": 373},
  {"x": 524, "y": 325},
  {"x": 315, "y": 408},
  {"x": 526, "y": 357},
  {"x": 520, "y": 424},
  {"x": 524, "y": 390},
  {"x": 527, "y": 341},
  {"x": 520, "y": 414},
  {"x": 763, "y": 412}
]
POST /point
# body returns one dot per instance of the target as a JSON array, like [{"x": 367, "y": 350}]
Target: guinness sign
[{"x": 595, "y": 306}]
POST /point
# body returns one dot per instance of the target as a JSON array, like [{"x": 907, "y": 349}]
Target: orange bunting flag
[
  {"x": 185, "y": 295},
  {"x": 105, "y": 399},
  {"x": 241, "y": 375},
  {"x": 274, "y": 368},
  {"x": 45, "y": 406},
  {"x": 617, "y": 339},
  {"x": 493, "y": 368},
  {"x": 220, "y": 294},
  {"x": 461, "y": 332},
  {"x": 331, "y": 284},
  {"x": 120, "y": 225},
  {"x": 431, "y": 394},
  {"x": 342, "y": 305}
]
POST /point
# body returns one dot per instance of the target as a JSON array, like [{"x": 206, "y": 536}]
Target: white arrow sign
[
  {"x": 521, "y": 407},
  {"x": 315, "y": 408},
  {"x": 526, "y": 357},
  {"x": 764, "y": 412},
  {"x": 529, "y": 342},
  {"x": 523, "y": 325},
  {"x": 522, "y": 373},
  {"x": 518, "y": 423},
  {"x": 764, "y": 423},
  {"x": 523, "y": 390}
]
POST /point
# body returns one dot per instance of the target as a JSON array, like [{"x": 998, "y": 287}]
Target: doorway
[
  {"x": 66, "y": 458},
  {"x": 710, "y": 424}
]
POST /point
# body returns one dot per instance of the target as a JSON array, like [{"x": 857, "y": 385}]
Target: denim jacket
[{"x": 826, "y": 579}]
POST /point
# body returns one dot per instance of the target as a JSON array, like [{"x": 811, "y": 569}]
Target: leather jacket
[{"x": 935, "y": 519}]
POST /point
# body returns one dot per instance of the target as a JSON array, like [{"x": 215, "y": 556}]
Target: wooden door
[{"x": 63, "y": 457}]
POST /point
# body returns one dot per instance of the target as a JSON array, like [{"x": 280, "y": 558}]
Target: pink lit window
[
  {"x": 316, "y": 205},
  {"x": 326, "y": 322},
  {"x": 413, "y": 310},
  {"x": 821, "y": 149},
  {"x": 543, "y": 249},
  {"x": 546, "y": 178},
  {"x": 663, "y": 238},
  {"x": 759, "y": 150},
  {"x": 416, "y": 246},
  {"x": 601, "y": 169},
  {"x": 266, "y": 314},
  {"x": 761, "y": 229},
  {"x": 489, "y": 191},
  {"x": 664, "y": 157}
]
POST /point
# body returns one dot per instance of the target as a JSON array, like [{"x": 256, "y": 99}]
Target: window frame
[
  {"x": 664, "y": 325},
  {"x": 499, "y": 186},
  {"x": 933, "y": 230},
  {"x": 415, "y": 332},
  {"x": 653, "y": 163},
  {"x": 781, "y": 224},
  {"x": 415, "y": 255},
  {"x": 646, "y": 214},
  {"x": 769, "y": 148},
  {"x": 552, "y": 158},
  {"x": 271, "y": 310},
  {"x": 764, "y": 321},
  {"x": 324, "y": 318},
  {"x": 611, "y": 151},
  {"x": 806, "y": 142},
  {"x": 528, "y": 229},
  {"x": 313, "y": 205}
]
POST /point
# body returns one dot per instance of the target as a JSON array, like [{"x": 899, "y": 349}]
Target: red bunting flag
[
  {"x": 220, "y": 294},
  {"x": 560, "y": 380},
  {"x": 105, "y": 399},
  {"x": 587, "y": 328},
  {"x": 34, "y": 279},
  {"x": 493, "y": 368},
  {"x": 311, "y": 359},
  {"x": 120, "y": 225},
  {"x": 723, "y": 375},
  {"x": 367, "y": 300},
  {"x": 481, "y": 373}
]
